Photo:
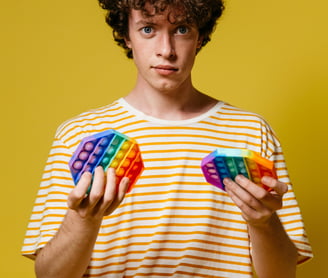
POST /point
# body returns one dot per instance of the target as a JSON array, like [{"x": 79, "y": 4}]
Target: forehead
[{"x": 149, "y": 13}]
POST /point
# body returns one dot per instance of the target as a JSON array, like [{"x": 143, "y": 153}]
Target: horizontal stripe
[
  {"x": 215, "y": 130},
  {"x": 172, "y": 223}
]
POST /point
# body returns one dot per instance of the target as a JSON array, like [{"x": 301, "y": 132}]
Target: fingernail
[
  {"x": 240, "y": 178},
  {"x": 112, "y": 170},
  {"x": 227, "y": 181},
  {"x": 266, "y": 179},
  {"x": 86, "y": 173},
  {"x": 99, "y": 167}
]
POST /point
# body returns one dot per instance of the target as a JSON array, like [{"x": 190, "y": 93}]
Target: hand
[
  {"x": 103, "y": 198},
  {"x": 256, "y": 204}
]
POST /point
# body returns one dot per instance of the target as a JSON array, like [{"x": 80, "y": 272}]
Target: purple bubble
[
  {"x": 99, "y": 150},
  {"x": 93, "y": 159},
  {"x": 216, "y": 177},
  {"x": 78, "y": 165},
  {"x": 88, "y": 169},
  {"x": 83, "y": 155},
  {"x": 89, "y": 146}
]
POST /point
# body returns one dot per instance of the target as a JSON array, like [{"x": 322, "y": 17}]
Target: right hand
[{"x": 103, "y": 198}]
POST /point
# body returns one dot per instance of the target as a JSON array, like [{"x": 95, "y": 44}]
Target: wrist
[
  {"x": 265, "y": 225},
  {"x": 77, "y": 222}
]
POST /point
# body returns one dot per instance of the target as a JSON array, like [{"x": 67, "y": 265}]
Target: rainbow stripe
[
  {"x": 109, "y": 148},
  {"x": 228, "y": 163}
]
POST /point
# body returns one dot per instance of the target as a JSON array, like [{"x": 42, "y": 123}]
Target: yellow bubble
[{"x": 114, "y": 163}]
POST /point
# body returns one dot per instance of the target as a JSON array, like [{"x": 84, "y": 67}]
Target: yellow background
[{"x": 58, "y": 59}]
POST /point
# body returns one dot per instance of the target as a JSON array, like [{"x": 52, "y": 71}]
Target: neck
[{"x": 172, "y": 104}]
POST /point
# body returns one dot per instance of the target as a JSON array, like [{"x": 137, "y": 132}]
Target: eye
[
  {"x": 182, "y": 30},
  {"x": 147, "y": 30}
]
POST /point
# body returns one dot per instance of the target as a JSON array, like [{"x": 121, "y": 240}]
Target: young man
[{"x": 173, "y": 223}]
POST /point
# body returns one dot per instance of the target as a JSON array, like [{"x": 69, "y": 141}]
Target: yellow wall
[{"x": 58, "y": 59}]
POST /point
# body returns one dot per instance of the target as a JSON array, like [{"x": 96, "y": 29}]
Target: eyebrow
[
  {"x": 145, "y": 22},
  {"x": 149, "y": 21}
]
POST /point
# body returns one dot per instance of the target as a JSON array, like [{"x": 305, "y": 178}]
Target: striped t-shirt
[{"x": 172, "y": 223}]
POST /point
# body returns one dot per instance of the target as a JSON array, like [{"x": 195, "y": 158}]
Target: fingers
[
  {"x": 278, "y": 186},
  {"x": 123, "y": 188},
  {"x": 98, "y": 187},
  {"x": 257, "y": 191},
  {"x": 242, "y": 189},
  {"x": 79, "y": 193},
  {"x": 110, "y": 192},
  {"x": 104, "y": 196},
  {"x": 115, "y": 194},
  {"x": 272, "y": 198},
  {"x": 256, "y": 203}
]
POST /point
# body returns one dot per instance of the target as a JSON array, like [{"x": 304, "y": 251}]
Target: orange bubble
[
  {"x": 131, "y": 154},
  {"x": 120, "y": 172},
  {"x": 126, "y": 163}
]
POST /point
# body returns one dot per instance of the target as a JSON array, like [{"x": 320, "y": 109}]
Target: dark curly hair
[{"x": 203, "y": 13}]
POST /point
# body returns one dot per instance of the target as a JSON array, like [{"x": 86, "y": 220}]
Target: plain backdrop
[{"x": 58, "y": 59}]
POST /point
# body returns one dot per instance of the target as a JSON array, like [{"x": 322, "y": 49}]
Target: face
[{"x": 163, "y": 52}]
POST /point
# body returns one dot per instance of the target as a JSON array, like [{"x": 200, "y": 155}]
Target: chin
[{"x": 168, "y": 87}]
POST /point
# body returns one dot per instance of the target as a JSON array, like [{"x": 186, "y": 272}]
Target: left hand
[{"x": 256, "y": 204}]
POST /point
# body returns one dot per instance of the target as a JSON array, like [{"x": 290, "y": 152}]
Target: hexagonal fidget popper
[
  {"x": 228, "y": 163},
  {"x": 109, "y": 148}
]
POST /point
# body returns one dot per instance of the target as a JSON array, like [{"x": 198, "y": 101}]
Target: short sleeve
[
  {"x": 290, "y": 214},
  {"x": 51, "y": 202}
]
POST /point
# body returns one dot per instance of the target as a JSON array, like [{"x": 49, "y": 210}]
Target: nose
[{"x": 166, "y": 46}]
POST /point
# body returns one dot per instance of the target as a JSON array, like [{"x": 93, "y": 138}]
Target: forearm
[
  {"x": 274, "y": 254},
  {"x": 68, "y": 253}
]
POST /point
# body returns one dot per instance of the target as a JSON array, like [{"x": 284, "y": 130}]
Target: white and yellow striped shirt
[{"x": 173, "y": 223}]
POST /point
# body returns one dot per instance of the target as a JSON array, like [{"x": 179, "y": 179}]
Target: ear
[
  {"x": 200, "y": 42},
  {"x": 128, "y": 42}
]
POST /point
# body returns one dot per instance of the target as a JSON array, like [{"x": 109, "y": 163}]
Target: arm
[
  {"x": 273, "y": 253},
  {"x": 69, "y": 252}
]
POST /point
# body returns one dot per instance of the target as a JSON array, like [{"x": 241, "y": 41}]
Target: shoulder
[
  {"x": 235, "y": 116},
  {"x": 229, "y": 111},
  {"x": 253, "y": 125},
  {"x": 89, "y": 122}
]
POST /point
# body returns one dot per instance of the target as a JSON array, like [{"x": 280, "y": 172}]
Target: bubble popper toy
[
  {"x": 228, "y": 163},
  {"x": 109, "y": 148}
]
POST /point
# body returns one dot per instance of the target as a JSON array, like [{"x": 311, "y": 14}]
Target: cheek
[
  {"x": 189, "y": 55},
  {"x": 140, "y": 59},
  {"x": 141, "y": 50},
  {"x": 189, "y": 48}
]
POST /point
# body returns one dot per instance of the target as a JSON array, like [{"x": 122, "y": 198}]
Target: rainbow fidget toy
[
  {"x": 108, "y": 149},
  {"x": 228, "y": 163}
]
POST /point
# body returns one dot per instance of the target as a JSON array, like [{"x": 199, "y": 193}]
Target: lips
[{"x": 165, "y": 69}]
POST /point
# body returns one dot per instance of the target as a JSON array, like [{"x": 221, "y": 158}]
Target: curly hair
[{"x": 203, "y": 13}]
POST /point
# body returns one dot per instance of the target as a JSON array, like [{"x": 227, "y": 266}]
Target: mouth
[{"x": 165, "y": 69}]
